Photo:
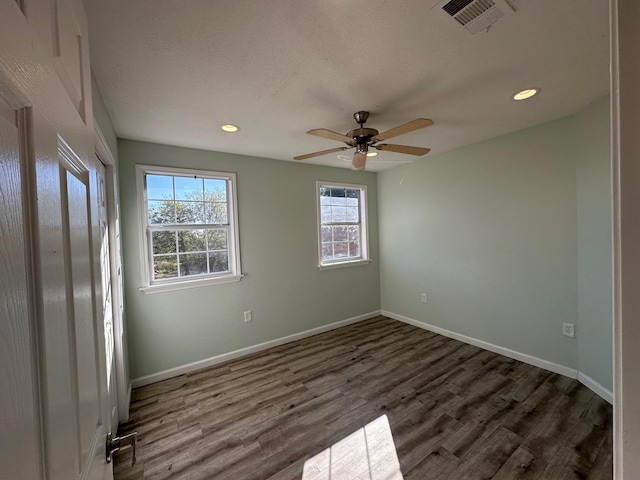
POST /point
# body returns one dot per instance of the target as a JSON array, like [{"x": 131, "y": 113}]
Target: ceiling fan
[{"x": 362, "y": 138}]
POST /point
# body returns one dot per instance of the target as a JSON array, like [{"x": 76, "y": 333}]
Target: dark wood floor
[{"x": 456, "y": 412}]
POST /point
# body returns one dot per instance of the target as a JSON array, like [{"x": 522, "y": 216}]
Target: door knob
[{"x": 116, "y": 443}]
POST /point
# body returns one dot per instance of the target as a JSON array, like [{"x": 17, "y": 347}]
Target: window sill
[
  {"x": 186, "y": 284},
  {"x": 351, "y": 263}
]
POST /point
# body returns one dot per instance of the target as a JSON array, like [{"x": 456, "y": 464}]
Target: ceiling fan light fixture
[
  {"x": 526, "y": 93},
  {"x": 229, "y": 128},
  {"x": 372, "y": 154}
]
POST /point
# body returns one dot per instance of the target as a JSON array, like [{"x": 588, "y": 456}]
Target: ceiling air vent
[{"x": 476, "y": 15}]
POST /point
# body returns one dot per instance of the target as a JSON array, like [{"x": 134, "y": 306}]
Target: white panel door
[
  {"x": 19, "y": 423},
  {"x": 52, "y": 338}
]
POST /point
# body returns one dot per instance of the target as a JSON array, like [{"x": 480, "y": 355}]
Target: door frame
[
  {"x": 625, "y": 163},
  {"x": 123, "y": 384}
]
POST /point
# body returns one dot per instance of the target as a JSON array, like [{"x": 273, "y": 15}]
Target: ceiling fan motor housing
[{"x": 362, "y": 135}]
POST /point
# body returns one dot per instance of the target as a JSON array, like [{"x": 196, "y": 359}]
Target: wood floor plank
[
  {"x": 485, "y": 459},
  {"x": 603, "y": 464},
  {"x": 191, "y": 456},
  {"x": 566, "y": 465},
  {"x": 552, "y": 431},
  {"x": 425, "y": 438},
  {"x": 438, "y": 465},
  {"x": 522, "y": 465},
  {"x": 455, "y": 412}
]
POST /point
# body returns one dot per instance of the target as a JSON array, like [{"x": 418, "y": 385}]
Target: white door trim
[
  {"x": 625, "y": 156},
  {"x": 123, "y": 384}
]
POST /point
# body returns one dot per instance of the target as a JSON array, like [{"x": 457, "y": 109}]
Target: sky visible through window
[{"x": 161, "y": 187}]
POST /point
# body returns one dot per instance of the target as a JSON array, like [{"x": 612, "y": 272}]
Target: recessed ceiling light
[
  {"x": 228, "y": 127},
  {"x": 527, "y": 93},
  {"x": 372, "y": 154}
]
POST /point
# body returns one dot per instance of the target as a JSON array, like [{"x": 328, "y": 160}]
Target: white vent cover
[{"x": 475, "y": 15}]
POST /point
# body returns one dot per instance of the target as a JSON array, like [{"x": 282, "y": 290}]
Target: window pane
[
  {"x": 352, "y": 193},
  {"x": 161, "y": 212},
  {"x": 341, "y": 249},
  {"x": 215, "y": 190},
  {"x": 327, "y": 251},
  {"x": 193, "y": 264},
  {"x": 354, "y": 249},
  {"x": 325, "y": 214},
  {"x": 324, "y": 199},
  {"x": 165, "y": 267},
  {"x": 353, "y": 198},
  {"x": 191, "y": 241},
  {"x": 217, "y": 239},
  {"x": 354, "y": 233},
  {"x": 163, "y": 242},
  {"x": 189, "y": 212},
  {"x": 353, "y": 214},
  {"x": 338, "y": 214},
  {"x": 218, "y": 262},
  {"x": 326, "y": 234},
  {"x": 188, "y": 188},
  {"x": 159, "y": 187},
  {"x": 340, "y": 234},
  {"x": 338, "y": 192},
  {"x": 217, "y": 213}
]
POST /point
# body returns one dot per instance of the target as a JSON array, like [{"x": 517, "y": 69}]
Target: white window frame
[
  {"x": 165, "y": 285},
  {"x": 364, "y": 227}
]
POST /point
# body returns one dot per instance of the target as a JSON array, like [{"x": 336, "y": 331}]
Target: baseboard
[
  {"x": 207, "y": 362},
  {"x": 595, "y": 387},
  {"x": 587, "y": 381}
]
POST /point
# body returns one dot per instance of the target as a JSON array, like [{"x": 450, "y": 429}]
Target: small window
[
  {"x": 190, "y": 228},
  {"x": 342, "y": 224}
]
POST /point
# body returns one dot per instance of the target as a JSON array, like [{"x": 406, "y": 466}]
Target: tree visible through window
[
  {"x": 190, "y": 225},
  {"x": 342, "y": 216}
]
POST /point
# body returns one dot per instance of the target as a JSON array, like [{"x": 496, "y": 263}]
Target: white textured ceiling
[{"x": 172, "y": 71}]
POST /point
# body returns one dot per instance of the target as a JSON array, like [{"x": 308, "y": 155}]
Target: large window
[
  {"x": 342, "y": 224},
  {"x": 189, "y": 227}
]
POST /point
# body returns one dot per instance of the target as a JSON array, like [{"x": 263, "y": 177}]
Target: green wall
[
  {"x": 500, "y": 235},
  {"x": 283, "y": 286},
  {"x": 595, "y": 339}
]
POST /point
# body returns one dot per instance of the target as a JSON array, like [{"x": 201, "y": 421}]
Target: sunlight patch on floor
[{"x": 367, "y": 454}]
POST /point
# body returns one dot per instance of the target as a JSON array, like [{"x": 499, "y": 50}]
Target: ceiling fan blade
[
  {"x": 387, "y": 147},
  {"x": 359, "y": 161},
  {"x": 416, "y": 124},
  {"x": 324, "y": 133},
  {"x": 317, "y": 154}
]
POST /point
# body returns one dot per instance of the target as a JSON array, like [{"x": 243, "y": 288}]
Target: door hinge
[{"x": 116, "y": 443}]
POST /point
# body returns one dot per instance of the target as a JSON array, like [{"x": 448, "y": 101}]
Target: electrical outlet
[
  {"x": 247, "y": 316},
  {"x": 568, "y": 330},
  {"x": 423, "y": 297}
]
